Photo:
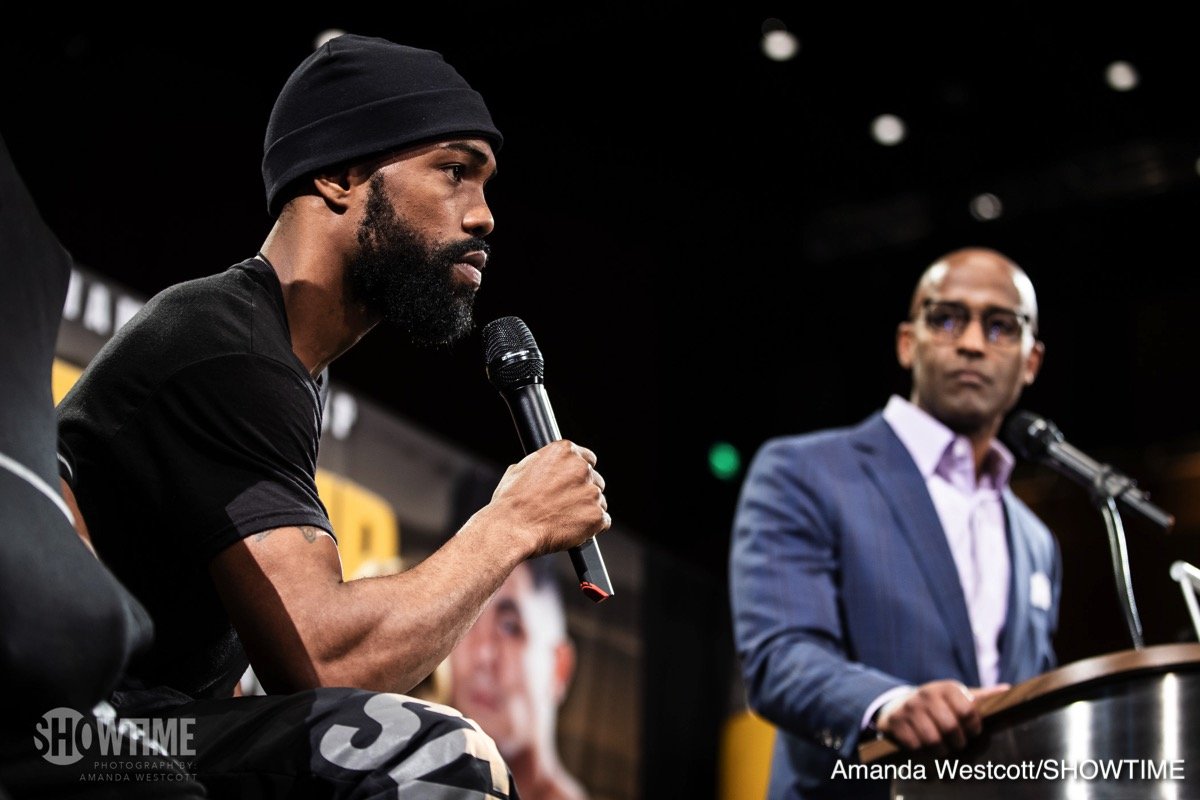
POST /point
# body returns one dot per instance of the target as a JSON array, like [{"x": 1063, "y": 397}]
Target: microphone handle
[
  {"x": 1075, "y": 464},
  {"x": 536, "y": 427},
  {"x": 530, "y": 407}
]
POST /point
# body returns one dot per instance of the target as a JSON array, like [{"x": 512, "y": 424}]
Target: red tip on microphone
[{"x": 594, "y": 592}]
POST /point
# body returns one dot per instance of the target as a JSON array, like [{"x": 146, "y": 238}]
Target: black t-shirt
[{"x": 194, "y": 427}]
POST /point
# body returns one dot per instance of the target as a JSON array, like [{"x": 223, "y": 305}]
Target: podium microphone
[
  {"x": 1038, "y": 439},
  {"x": 515, "y": 367}
]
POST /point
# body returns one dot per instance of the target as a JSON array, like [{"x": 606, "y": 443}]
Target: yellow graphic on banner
[
  {"x": 367, "y": 532},
  {"x": 62, "y": 378},
  {"x": 745, "y": 761}
]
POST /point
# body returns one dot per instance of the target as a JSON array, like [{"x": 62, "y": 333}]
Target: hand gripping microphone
[
  {"x": 515, "y": 367},
  {"x": 1038, "y": 439}
]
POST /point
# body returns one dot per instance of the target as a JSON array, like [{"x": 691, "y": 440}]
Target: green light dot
[{"x": 724, "y": 460}]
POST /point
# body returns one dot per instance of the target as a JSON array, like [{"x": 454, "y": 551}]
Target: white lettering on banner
[
  {"x": 97, "y": 306},
  {"x": 97, "y": 309},
  {"x": 341, "y": 414},
  {"x": 126, "y": 308},
  {"x": 74, "y": 301}
]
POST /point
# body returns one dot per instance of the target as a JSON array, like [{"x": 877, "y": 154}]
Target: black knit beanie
[{"x": 357, "y": 96}]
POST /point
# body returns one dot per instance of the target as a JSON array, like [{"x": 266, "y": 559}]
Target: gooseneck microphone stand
[
  {"x": 1038, "y": 439},
  {"x": 1107, "y": 504}
]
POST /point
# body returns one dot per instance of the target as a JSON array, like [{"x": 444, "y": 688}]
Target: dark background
[{"x": 708, "y": 245}]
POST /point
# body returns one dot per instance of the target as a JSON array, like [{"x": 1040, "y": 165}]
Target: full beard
[{"x": 397, "y": 276}]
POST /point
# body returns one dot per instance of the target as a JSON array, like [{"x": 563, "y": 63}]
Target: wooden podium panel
[{"x": 1120, "y": 726}]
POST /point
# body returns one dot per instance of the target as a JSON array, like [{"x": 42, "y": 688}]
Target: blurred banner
[{"x": 554, "y": 678}]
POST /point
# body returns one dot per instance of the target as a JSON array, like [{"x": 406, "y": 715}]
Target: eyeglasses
[{"x": 948, "y": 320}]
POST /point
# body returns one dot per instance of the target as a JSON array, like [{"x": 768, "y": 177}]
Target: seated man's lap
[{"x": 334, "y": 742}]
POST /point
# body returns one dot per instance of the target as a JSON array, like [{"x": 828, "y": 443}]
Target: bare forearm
[
  {"x": 302, "y": 626},
  {"x": 396, "y": 629},
  {"x": 309, "y": 628}
]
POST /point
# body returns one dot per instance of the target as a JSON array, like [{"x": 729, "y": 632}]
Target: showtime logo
[{"x": 63, "y": 735}]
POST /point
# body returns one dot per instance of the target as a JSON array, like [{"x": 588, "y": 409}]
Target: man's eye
[
  {"x": 456, "y": 171},
  {"x": 511, "y": 626},
  {"x": 942, "y": 319},
  {"x": 1004, "y": 325}
]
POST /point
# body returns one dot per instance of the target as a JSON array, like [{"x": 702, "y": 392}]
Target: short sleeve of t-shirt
[{"x": 230, "y": 444}]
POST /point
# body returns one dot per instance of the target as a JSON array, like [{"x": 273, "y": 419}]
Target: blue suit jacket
[{"x": 843, "y": 586}]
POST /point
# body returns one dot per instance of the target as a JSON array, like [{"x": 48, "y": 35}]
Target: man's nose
[
  {"x": 478, "y": 220},
  {"x": 973, "y": 339}
]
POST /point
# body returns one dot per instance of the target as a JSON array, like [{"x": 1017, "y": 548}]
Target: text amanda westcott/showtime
[{"x": 1046, "y": 769}]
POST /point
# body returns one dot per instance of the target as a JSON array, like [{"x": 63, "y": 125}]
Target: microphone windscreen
[
  {"x": 1028, "y": 435},
  {"x": 511, "y": 354}
]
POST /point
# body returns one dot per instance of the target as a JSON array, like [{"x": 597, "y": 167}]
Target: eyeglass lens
[{"x": 950, "y": 320}]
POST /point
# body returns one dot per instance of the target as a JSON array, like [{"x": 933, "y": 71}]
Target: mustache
[{"x": 456, "y": 250}]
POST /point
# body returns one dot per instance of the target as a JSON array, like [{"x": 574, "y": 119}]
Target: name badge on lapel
[{"x": 1040, "y": 595}]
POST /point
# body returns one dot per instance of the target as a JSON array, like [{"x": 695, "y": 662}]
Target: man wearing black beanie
[{"x": 193, "y": 440}]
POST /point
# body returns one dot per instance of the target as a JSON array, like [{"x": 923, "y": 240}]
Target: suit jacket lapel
[{"x": 889, "y": 465}]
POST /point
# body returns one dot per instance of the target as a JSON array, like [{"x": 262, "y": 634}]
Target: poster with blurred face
[{"x": 510, "y": 674}]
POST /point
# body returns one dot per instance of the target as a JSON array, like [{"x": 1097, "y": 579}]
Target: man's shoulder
[
  {"x": 819, "y": 456},
  {"x": 223, "y": 317},
  {"x": 224, "y": 313},
  {"x": 227, "y": 294},
  {"x": 828, "y": 439}
]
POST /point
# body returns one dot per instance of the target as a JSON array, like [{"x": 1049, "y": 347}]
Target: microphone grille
[
  {"x": 1029, "y": 434},
  {"x": 511, "y": 354}
]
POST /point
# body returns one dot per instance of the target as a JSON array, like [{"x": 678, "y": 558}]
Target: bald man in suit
[{"x": 883, "y": 577}]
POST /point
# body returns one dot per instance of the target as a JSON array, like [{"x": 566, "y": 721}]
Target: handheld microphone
[
  {"x": 515, "y": 367},
  {"x": 1038, "y": 439}
]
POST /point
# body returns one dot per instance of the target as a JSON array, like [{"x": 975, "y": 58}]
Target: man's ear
[
  {"x": 335, "y": 188},
  {"x": 905, "y": 342},
  {"x": 564, "y": 669},
  {"x": 1033, "y": 362}
]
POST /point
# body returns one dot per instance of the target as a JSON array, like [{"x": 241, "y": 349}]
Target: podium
[{"x": 1117, "y": 726}]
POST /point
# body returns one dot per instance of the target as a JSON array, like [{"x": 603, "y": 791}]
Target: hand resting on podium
[{"x": 941, "y": 715}]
